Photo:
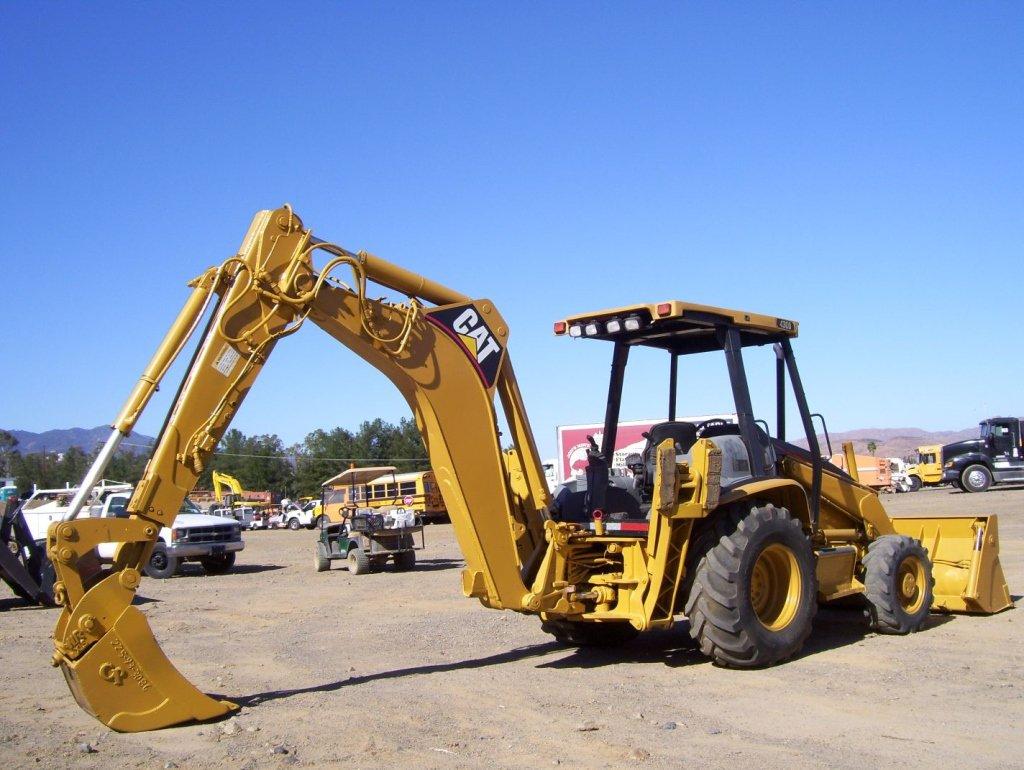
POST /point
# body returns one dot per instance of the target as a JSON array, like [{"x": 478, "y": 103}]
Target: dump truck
[{"x": 742, "y": 532}]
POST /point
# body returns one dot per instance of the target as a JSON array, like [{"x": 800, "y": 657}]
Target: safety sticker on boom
[{"x": 465, "y": 325}]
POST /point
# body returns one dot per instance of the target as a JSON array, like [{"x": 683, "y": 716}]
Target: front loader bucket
[
  {"x": 965, "y": 561},
  {"x": 126, "y": 681}
]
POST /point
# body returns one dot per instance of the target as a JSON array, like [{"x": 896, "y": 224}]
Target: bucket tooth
[{"x": 128, "y": 684}]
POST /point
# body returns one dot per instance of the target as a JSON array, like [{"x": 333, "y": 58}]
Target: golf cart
[{"x": 365, "y": 537}]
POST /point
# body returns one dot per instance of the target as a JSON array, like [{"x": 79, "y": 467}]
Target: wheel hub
[
  {"x": 775, "y": 587},
  {"x": 910, "y": 581},
  {"x": 976, "y": 478}
]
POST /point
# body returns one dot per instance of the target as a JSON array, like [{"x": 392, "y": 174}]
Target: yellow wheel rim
[
  {"x": 776, "y": 587},
  {"x": 910, "y": 584}
]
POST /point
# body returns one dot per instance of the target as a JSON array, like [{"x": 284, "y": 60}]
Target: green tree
[
  {"x": 8, "y": 448},
  {"x": 872, "y": 446},
  {"x": 323, "y": 454},
  {"x": 258, "y": 462},
  {"x": 127, "y": 466}
]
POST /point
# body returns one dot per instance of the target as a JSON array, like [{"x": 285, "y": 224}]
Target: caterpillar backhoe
[{"x": 741, "y": 532}]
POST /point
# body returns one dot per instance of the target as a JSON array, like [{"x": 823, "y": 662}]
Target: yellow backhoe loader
[{"x": 741, "y": 532}]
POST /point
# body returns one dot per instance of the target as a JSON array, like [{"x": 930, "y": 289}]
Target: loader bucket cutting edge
[
  {"x": 128, "y": 684},
  {"x": 964, "y": 551}
]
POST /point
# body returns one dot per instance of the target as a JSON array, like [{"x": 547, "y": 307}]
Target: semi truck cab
[{"x": 995, "y": 457}]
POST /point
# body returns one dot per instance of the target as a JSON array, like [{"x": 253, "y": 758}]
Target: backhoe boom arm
[{"x": 448, "y": 361}]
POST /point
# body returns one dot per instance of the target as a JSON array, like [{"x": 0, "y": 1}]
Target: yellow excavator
[
  {"x": 222, "y": 480},
  {"x": 742, "y": 532}
]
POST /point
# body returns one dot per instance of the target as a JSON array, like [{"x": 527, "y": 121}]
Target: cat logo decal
[{"x": 465, "y": 325}]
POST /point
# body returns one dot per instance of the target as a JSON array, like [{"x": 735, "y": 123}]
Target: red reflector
[
  {"x": 598, "y": 514},
  {"x": 560, "y": 327},
  {"x": 665, "y": 308}
]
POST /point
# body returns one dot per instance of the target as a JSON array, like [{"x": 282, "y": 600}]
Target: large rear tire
[
  {"x": 579, "y": 634},
  {"x": 754, "y": 591},
  {"x": 915, "y": 483},
  {"x": 898, "y": 584}
]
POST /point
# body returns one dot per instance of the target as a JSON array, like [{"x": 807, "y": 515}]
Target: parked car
[{"x": 212, "y": 541}]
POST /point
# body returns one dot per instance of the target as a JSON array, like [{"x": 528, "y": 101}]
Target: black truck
[{"x": 996, "y": 457}]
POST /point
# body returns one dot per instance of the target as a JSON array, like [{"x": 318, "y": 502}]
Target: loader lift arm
[{"x": 448, "y": 360}]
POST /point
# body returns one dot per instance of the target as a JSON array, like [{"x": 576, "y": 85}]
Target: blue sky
[{"x": 855, "y": 166}]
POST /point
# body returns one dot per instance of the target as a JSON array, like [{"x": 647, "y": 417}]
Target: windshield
[{"x": 187, "y": 506}]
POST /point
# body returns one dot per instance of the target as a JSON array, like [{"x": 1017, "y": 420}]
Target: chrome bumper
[{"x": 187, "y": 550}]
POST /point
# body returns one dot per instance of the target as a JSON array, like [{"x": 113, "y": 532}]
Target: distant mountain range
[
  {"x": 893, "y": 442},
  {"x": 61, "y": 440},
  {"x": 890, "y": 442}
]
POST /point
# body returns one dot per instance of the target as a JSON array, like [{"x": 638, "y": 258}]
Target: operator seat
[{"x": 683, "y": 434}]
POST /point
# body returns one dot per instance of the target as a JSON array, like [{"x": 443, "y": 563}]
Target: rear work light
[
  {"x": 591, "y": 328},
  {"x": 632, "y": 323},
  {"x": 664, "y": 309},
  {"x": 575, "y": 330},
  {"x": 559, "y": 327},
  {"x": 614, "y": 326}
]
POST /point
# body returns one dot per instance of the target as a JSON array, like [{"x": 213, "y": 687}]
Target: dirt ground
[{"x": 399, "y": 669}]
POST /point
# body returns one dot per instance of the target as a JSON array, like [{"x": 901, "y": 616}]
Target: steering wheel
[{"x": 710, "y": 424}]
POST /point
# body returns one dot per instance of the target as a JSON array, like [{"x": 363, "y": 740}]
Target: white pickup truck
[
  {"x": 213, "y": 541},
  {"x": 295, "y": 516}
]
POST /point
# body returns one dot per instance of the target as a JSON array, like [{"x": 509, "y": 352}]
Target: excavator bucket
[
  {"x": 965, "y": 561},
  {"x": 127, "y": 683}
]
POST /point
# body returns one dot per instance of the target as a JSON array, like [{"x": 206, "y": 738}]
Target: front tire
[
  {"x": 293, "y": 524},
  {"x": 580, "y": 634},
  {"x": 754, "y": 591},
  {"x": 898, "y": 584},
  {"x": 915, "y": 483},
  {"x": 218, "y": 565},
  {"x": 161, "y": 564},
  {"x": 975, "y": 478}
]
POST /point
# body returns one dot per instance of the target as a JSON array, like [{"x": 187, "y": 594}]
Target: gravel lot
[{"x": 399, "y": 669}]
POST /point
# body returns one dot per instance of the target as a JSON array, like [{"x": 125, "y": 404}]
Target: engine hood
[
  {"x": 949, "y": 451},
  {"x": 186, "y": 520}
]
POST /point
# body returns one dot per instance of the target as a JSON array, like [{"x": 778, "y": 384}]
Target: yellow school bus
[
  {"x": 382, "y": 487},
  {"x": 417, "y": 490}
]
